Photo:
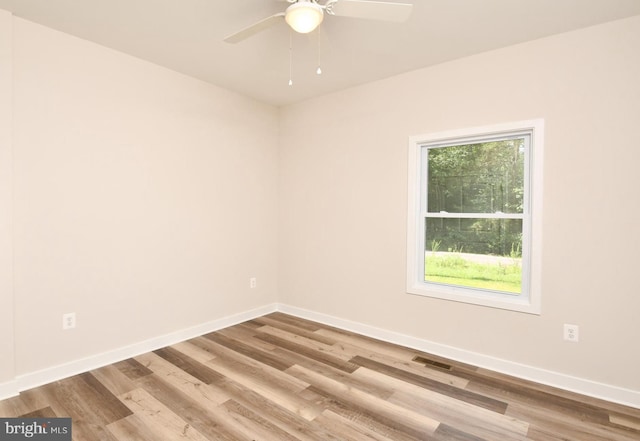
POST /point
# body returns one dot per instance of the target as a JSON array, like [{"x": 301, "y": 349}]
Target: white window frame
[{"x": 529, "y": 301}]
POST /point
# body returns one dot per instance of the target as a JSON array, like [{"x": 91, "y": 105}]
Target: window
[{"x": 474, "y": 230}]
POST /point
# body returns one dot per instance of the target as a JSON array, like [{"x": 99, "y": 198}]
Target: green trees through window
[{"x": 475, "y": 200}]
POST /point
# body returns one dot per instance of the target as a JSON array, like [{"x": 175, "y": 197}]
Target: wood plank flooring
[{"x": 283, "y": 378}]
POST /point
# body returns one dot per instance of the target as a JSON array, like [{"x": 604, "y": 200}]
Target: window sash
[{"x": 474, "y": 215}]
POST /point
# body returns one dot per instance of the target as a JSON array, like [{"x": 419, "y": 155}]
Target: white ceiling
[{"x": 186, "y": 36}]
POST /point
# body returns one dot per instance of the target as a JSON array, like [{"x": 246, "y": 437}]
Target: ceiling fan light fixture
[{"x": 304, "y": 16}]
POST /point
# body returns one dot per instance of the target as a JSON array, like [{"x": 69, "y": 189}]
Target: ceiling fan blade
[
  {"x": 254, "y": 28},
  {"x": 372, "y": 10}
]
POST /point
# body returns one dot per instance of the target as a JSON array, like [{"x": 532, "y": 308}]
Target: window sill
[{"x": 491, "y": 299}]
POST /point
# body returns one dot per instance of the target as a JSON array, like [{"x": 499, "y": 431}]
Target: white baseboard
[
  {"x": 8, "y": 389},
  {"x": 582, "y": 386},
  {"x": 579, "y": 385},
  {"x": 55, "y": 373}
]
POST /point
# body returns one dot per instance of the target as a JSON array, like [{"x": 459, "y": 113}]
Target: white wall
[
  {"x": 343, "y": 200},
  {"x": 143, "y": 199},
  {"x": 6, "y": 238}
]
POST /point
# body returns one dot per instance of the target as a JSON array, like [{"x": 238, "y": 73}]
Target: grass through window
[{"x": 499, "y": 274}]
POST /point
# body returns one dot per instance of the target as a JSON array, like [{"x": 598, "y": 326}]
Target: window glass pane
[
  {"x": 486, "y": 177},
  {"x": 476, "y": 253}
]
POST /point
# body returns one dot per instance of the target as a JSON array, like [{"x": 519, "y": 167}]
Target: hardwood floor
[{"x": 283, "y": 378}]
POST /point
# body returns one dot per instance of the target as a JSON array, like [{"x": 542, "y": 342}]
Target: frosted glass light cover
[{"x": 304, "y": 17}]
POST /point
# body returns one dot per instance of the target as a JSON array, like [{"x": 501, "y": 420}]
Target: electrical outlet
[
  {"x": 69, "y": 320},
  {"x": 253, "y": 282},
  {"x": 571, "y": 333}
]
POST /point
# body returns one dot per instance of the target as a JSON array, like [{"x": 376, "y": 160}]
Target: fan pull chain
[
  {"x": 290, "y": 58},
  {"x": 319, "y": 70}
]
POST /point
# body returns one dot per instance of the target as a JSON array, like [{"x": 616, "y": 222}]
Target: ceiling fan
[{"x": 304, "y": 16}]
